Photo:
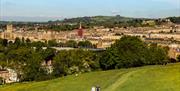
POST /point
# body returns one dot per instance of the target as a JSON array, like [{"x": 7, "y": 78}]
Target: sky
[{"x": 44, "y": 10}]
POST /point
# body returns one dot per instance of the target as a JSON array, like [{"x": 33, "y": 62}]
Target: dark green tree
[
  {"x": 33, "y": 70},
  {"x": 47, "y": 54},
  {"x": 132, "y": 52},
  {"x": 17, "y": 41},
  {"x": 52, "y": 43},
  {"x": 74, "y": 61},
  {"x": 71, "y": 43},
  {"x": 85, "y": 44},
  {"x": 4, "y": 42}
]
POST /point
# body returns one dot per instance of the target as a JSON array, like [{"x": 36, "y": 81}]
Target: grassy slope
[{"x": 149, "y": 78}]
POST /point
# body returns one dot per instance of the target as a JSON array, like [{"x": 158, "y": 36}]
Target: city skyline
[{"x": 44, "y": 10}]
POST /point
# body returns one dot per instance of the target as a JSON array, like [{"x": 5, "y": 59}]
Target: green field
[{"x": 148, "y": 78}]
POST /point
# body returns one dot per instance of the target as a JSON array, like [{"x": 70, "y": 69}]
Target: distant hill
[
  {"x": 117, "y": 18},
  {"x": 89, "y": 22},
  {"x": 148, "y": 78},
  {"x": 100, "y": 19},
  {"x": 107, "y": 21},
  {"x": 95, "y": 19},
  {"x": 90, "y": 19}
]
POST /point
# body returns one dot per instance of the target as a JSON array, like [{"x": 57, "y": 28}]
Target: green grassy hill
[{"x": 148, "y": 78}]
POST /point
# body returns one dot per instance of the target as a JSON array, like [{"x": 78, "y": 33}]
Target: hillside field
[{"x": 148, "y": 78}]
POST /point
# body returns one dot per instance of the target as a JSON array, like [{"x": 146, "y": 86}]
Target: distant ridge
[{"x": 85, "y": 19}]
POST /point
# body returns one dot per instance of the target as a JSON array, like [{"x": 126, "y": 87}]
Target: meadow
[{"x": 147, "y": 78}]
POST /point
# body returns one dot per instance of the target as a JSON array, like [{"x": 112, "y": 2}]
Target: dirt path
[{"x": 120, "y": 81}]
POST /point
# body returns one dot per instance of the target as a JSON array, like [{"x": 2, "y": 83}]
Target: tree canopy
[{"x": 132, "y": 52}]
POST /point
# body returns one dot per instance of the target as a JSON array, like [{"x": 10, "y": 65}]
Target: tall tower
[
  {"x": 8, "y": 34},
  {"x": 80, "y": 31},
  {"x": 9, "y": 28}
]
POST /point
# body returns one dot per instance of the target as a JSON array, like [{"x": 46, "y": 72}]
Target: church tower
[
  {"x": 80, "y": 31},
  {"x": 8, "y": 34},
  {"x": 9, "y": 28}
]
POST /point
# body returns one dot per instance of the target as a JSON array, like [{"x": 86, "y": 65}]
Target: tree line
[{"x": 26, "y": 58}]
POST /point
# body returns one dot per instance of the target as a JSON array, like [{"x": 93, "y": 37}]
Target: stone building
[
  {"x": 8, "y": 33},
  {"x": 9, "y": 76}
]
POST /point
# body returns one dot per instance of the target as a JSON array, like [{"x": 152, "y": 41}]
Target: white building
[{"x": 9, "y": 75}]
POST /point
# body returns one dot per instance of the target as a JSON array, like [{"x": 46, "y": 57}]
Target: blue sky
[{"x": 59, "y": 9}]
